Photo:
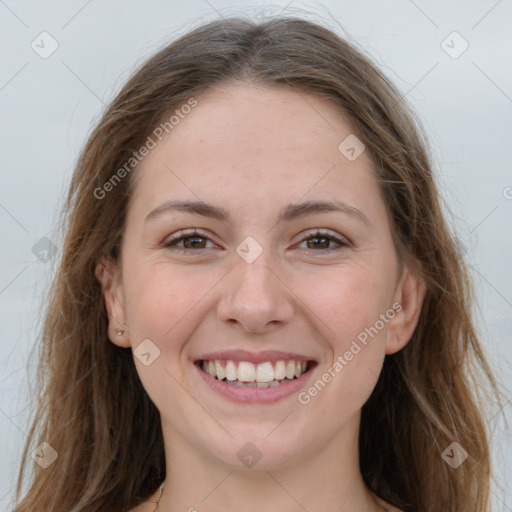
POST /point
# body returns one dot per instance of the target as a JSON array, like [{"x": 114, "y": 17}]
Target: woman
[{"x": 259, "y": 302}]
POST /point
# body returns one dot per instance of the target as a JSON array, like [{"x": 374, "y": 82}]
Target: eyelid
[
  {"x": 316, "y": 232},
  {"x": 341, "y": 240},
  {"x": 186, "y": 233}
]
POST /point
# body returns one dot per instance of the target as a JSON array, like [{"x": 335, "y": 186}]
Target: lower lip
[{"x": 255, "y": 395}]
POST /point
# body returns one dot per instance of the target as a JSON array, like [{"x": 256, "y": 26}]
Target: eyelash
[{"x": 172, "y": 243}]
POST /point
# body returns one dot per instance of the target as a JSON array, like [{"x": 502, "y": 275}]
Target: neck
[{"x": 196, "y": 482}]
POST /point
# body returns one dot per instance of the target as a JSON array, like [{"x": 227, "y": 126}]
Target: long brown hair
[{"x": 92, "y": 408}]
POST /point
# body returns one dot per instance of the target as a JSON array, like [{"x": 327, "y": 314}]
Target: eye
[
  {"x": 195, "y": 240},
  {"x": 321, "y": 240},
  {"x": 191, "y": 240}
]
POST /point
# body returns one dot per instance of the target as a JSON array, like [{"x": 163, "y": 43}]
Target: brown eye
[
  {"x": 193, "y": 240},
  {"x": 319, "y": 240}
]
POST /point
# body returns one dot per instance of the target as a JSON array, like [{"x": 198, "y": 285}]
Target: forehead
[{"x": 255, "y": 145}]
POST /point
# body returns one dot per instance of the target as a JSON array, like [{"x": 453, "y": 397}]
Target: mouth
[
  {"x": 258, "y": 380},
  {"x": 261, "y": 375}
]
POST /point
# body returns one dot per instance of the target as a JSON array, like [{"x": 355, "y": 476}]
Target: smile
[
  {"x": 261, "y": 375},
  {"x": 258, "y": 381}
]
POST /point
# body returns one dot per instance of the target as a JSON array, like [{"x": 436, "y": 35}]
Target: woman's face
[{"x": 257, "y": 290}]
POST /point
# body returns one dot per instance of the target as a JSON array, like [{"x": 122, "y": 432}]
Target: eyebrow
[{"x": 287, "y": 213}]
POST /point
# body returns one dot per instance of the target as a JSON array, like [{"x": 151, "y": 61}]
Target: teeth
[
  {"x": 246, "y": 372},
  {"x": 255, "y": 384},
  {"x": 280, "y": 371},
  {"x": 221, "y": 372},
  {"x": 265, "y": 372},
  {"x": 261, "y": 375},
  {"x": 231, "y": 372},
  {"x": 290, "y": 370}
]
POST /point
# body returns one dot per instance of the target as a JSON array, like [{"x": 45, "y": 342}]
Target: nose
[{"x": 255, "y": 297}]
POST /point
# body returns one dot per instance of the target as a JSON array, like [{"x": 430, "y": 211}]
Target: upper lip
[{"x": 253, "y": 357}]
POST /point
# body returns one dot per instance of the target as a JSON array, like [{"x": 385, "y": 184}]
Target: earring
[{"x": 120, "y": 333}]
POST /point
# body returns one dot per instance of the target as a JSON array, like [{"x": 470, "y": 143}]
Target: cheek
[
  {"x": 347, "y": 301},
  {"x": 163, "y": 304},
  {"x": 350, "y": 304},
  {"x": 162, "y": 299},
  {"x": 159, "y": 297}
]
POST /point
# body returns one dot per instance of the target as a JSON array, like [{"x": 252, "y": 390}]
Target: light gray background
[{"x": 48, "y": 107}]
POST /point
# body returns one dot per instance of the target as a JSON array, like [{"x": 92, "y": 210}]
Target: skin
[{"x": 253, "y": 150}]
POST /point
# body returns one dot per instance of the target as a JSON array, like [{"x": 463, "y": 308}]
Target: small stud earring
[{"x": 120, "y": 333}]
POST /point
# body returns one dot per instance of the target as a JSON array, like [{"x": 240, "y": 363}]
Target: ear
[
  {"x": 109, "y": 276},
  {"x": 409, "y": 295}
]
